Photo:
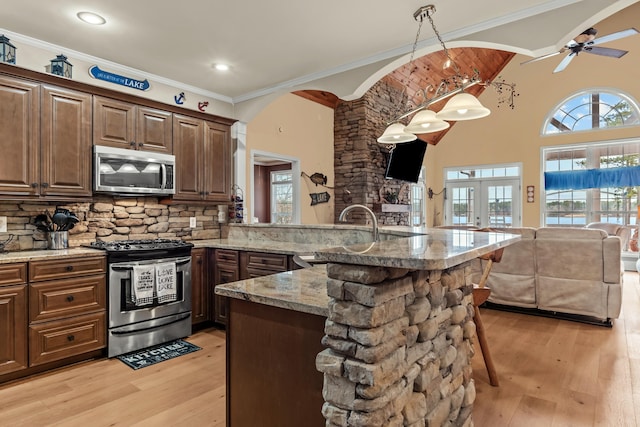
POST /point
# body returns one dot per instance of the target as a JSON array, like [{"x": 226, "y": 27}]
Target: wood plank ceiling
[{"x": 428, "y": 70}]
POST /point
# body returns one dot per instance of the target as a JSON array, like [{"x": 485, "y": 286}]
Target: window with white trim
[
  {"x": 282, "y": 197},
  {"x": 570, "y": 204},
  {"x": 592, "y": 109},
  {"x": 418, "y": 209}
]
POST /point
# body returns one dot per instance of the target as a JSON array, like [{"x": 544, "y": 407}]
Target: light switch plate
[
  {"x": 192, "y": 222},
  {"x": 3, "y": 224}
]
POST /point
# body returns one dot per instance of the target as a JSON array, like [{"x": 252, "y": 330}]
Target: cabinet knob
[
  {"x": 34, "y": 185},
  {"x": 45, "y": 184},
  {"x": 69, "y": 268},
  {"x": 140, "y": 144},
  {"x": 70, "y": 338},
  {"x": 132, "y": 143},
  {"x": 70, "y": 298}
]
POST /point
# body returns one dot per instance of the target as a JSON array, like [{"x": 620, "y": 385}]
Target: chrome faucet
[{"x": 374, "y": 220}]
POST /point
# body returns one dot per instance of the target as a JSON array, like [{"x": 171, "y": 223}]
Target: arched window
[{"x": 590, "y": 109}]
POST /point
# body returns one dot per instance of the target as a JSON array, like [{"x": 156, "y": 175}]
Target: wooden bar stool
[{"x": 480, "y": 295}]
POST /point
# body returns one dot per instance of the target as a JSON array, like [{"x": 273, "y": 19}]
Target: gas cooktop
[{"x": 140, "y": 245}]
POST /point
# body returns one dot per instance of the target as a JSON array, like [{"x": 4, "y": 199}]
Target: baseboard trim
[{"x": 552, "y": 314}]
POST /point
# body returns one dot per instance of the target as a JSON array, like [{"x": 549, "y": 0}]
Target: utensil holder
[{"x": 58, "y": 240}]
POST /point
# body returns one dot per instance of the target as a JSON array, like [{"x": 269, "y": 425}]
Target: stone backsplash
[{"x": 109, "y": 218}]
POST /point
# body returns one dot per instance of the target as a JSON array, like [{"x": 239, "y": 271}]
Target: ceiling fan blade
[
  {"x": 563, "y": 64},
  {"x": 539, "y": 58},
  {"x": 615, "y": 36},
  {"x": 606, "y": 51}
]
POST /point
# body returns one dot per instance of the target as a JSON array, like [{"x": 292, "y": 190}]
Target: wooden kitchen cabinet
[
  {"x": 203, "y": 160},
  {"x": 67, "y": 308},
  {"x": 19, "y": 137},
  {"x": 199, "y": 287},
  {"x": 65, "y": 153},
  {"x": 256, "y": 264},
  {"x": 124, "y": 125},
  {"x": 226, "y": 270},
  {"x": 45, "y": 138},
  {"x": 13, "y": 318}
]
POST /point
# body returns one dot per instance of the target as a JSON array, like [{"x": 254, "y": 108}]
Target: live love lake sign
[{"x": 99, "y": 74}]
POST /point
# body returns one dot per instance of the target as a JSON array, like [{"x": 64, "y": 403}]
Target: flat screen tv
[{"x": 405, "y": 161}]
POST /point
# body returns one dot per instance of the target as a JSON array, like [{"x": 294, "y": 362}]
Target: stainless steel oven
[{"x": 134, "y": 325}]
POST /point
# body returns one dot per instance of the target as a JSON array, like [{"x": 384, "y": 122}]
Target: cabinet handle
[
  {"x": 140, "y": 144},
  {"x": 70, "y": 298},
  {"x": 70, "y": 338},
  {"x": 44, "y": 184},
  {"x": 132, "y": 143},
  {"x": 34, "y": 185},
  {"x": 69, "y": 268}
]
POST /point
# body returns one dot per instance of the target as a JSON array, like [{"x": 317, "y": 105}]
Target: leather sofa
[
  {"x": 559, "y": 270},
  {"x": 621, "y": 231}
]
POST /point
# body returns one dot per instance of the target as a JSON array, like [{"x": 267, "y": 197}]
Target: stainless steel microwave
[{"x": 123, "y": 171}]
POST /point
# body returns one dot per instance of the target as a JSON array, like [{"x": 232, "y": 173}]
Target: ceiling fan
[{"x": 587, "y": 42}]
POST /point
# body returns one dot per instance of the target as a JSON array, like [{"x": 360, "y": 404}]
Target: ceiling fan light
[
  {"x": 395, "y": 134},
  {"x": 425, "y": 121},
  {"x": 463, "y": 106}
]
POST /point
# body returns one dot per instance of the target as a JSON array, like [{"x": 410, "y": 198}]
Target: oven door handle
[
  {"x": 155, "y": 324},
  {"x": 128, "y": 266}
]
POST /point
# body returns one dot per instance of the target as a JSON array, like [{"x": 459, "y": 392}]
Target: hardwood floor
[
  {"x": 552, "y": 373},
  {"x": 561, "y": 373},
  {"x": 186, "y": 391}
]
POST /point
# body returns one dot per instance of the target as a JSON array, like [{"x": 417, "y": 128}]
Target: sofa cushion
[
  {"x": 584, "y": 297},
  {"x": 570, "y": 253},
  {"x": 512, "y": 280}
]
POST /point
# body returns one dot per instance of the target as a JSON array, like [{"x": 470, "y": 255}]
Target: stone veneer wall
[
  {"x": 109, "y": 218},
  {"x": 399, "y": 347},
  {"x": 359, "y": 160}
]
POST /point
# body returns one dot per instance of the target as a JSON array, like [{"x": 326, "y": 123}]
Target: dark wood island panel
[{"x": 271, "y": 375}]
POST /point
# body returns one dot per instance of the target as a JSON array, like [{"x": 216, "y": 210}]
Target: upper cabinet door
[
  {"x": 65, "y": 142},
  {"x": 19, "y": 137},
  {"x": 217, "y": 162},
  {"x": 188, "y": 149},
  {"x": 154, "y": 130},
  {"x": 114, "y": 123}
]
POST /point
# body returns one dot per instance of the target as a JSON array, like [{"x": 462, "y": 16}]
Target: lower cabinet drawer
[
  {"x": 60, "y": 339},
  {"x": 264, "y": 261},
  {"x": 66, "y": 297}
]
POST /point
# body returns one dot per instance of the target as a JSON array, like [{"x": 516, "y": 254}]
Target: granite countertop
[
  {"x": 305, "y": 290},
  {"x": 46, "y": 254},
  {"x": 286, "y": 248},
  {"x": 299, "y": 290},
  {"x": 437, "y": 249}
]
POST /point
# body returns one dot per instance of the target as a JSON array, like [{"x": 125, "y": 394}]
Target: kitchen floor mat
[{"x": 158, "y": 353}]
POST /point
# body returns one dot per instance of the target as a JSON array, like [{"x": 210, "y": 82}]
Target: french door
[{"x": 494, "y": 202}]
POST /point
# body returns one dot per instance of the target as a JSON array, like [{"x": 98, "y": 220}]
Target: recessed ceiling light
[
  {"x": 221, "y": 67},
  {"x": 91, "y": 18}
]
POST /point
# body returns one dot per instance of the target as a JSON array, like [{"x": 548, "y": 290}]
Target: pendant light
[
  {"x": 395, "y": 134},
  {"x": 463, "y": 106},
  {"x": 426, "y": 121}
]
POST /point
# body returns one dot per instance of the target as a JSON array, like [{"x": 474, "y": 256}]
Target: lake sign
[{"x": 106, "y": 76}]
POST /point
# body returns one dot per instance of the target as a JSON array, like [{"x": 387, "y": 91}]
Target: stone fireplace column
[{"x": 399, "y": 347}]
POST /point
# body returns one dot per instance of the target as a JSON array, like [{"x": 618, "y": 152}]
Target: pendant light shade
[
  {"x": 395, "y": 134},
  {"x": 463, "y": 106},
  {"x": 425, "y": 121}
]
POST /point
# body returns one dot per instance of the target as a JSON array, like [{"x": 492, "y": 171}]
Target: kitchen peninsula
[{"x": 381, "y": 335}]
